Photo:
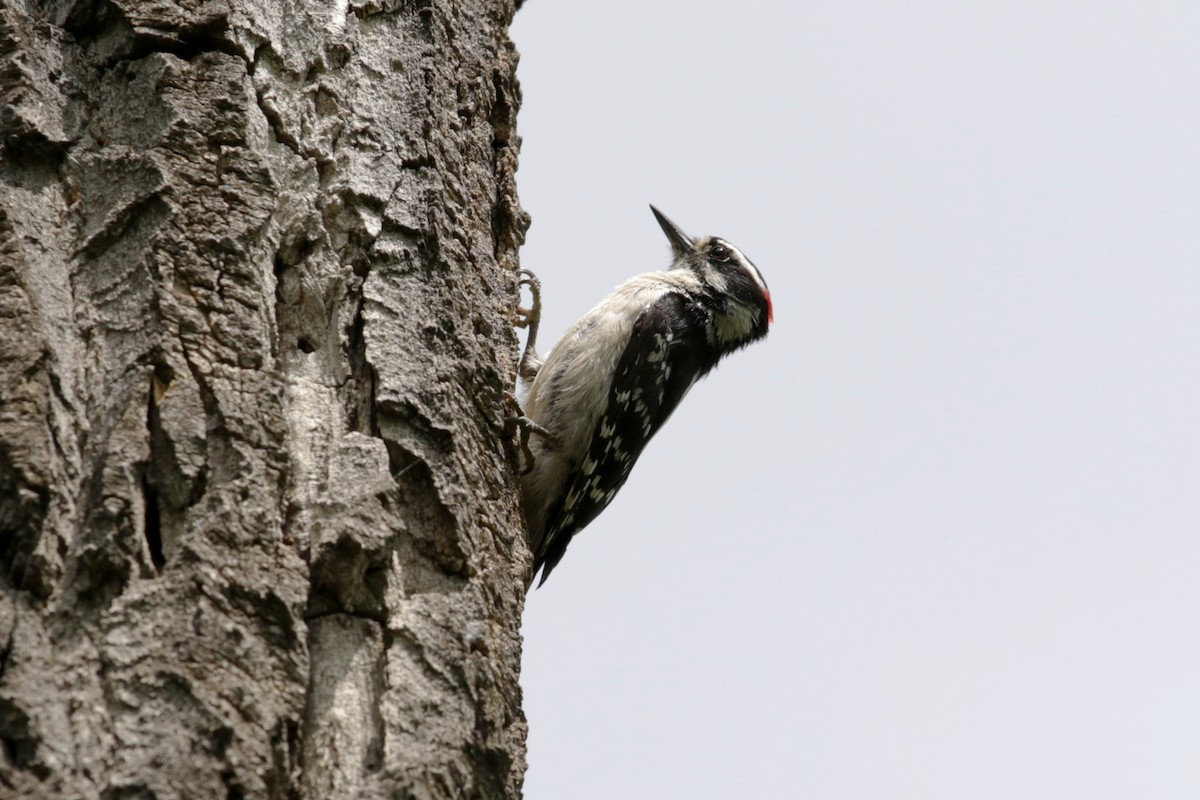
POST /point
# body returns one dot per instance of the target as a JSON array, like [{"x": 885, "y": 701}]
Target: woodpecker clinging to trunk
[{"x": 617, "y": 374}]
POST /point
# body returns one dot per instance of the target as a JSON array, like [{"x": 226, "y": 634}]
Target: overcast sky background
[{"x": 938, "y": 536}]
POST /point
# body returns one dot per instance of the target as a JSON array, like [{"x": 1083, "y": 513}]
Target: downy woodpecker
[{"x": 617, "y": 374}]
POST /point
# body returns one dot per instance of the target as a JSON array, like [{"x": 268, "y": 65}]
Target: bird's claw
[
  {"x": 526, "y": 427},
  {"x": 527, "y": 317}
]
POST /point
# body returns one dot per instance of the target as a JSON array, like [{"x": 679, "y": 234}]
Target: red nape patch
[{"x": 770, "y": 309}]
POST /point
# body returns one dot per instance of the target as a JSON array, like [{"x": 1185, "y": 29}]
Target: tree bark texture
[{"x": 259, "y": 528}]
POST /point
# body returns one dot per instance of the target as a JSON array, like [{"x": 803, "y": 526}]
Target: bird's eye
[{"x": 719, "y": 253}]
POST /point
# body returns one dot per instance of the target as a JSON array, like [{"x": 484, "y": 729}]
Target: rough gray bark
[{"x": 258, "y": 527}]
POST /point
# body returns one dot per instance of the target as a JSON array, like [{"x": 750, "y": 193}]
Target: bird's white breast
[{"x": 577, "y": 374}]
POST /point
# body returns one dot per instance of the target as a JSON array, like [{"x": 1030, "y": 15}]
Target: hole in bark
[
  {"x": 305, "y": 345},
  {"x": 153, "y": 524},
  {"x": 232, "y": 790},
  {"x": 16, "y": 739},
  {"x": 163, "y": 376},
  {"x": 358, "y": 393},
  {"x": 281, "y": 269},
  {"x": 160, "y": 379}
]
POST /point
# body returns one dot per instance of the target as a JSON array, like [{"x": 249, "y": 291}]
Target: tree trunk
[{"x": 258, "y": 522}]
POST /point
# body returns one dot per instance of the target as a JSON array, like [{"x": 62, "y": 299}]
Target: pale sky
[{"x": 938, "y": 536}]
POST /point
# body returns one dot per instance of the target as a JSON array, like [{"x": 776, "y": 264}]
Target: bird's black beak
[{"x": 681, "y": 243}]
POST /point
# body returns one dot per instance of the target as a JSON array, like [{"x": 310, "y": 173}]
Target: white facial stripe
[{"x": 747, "y": 265}]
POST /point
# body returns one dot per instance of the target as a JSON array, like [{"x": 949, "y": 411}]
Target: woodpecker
[{"x": 617, "y": 374}]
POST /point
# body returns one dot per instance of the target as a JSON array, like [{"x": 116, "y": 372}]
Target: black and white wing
[{"x": 666, "y": 354}]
